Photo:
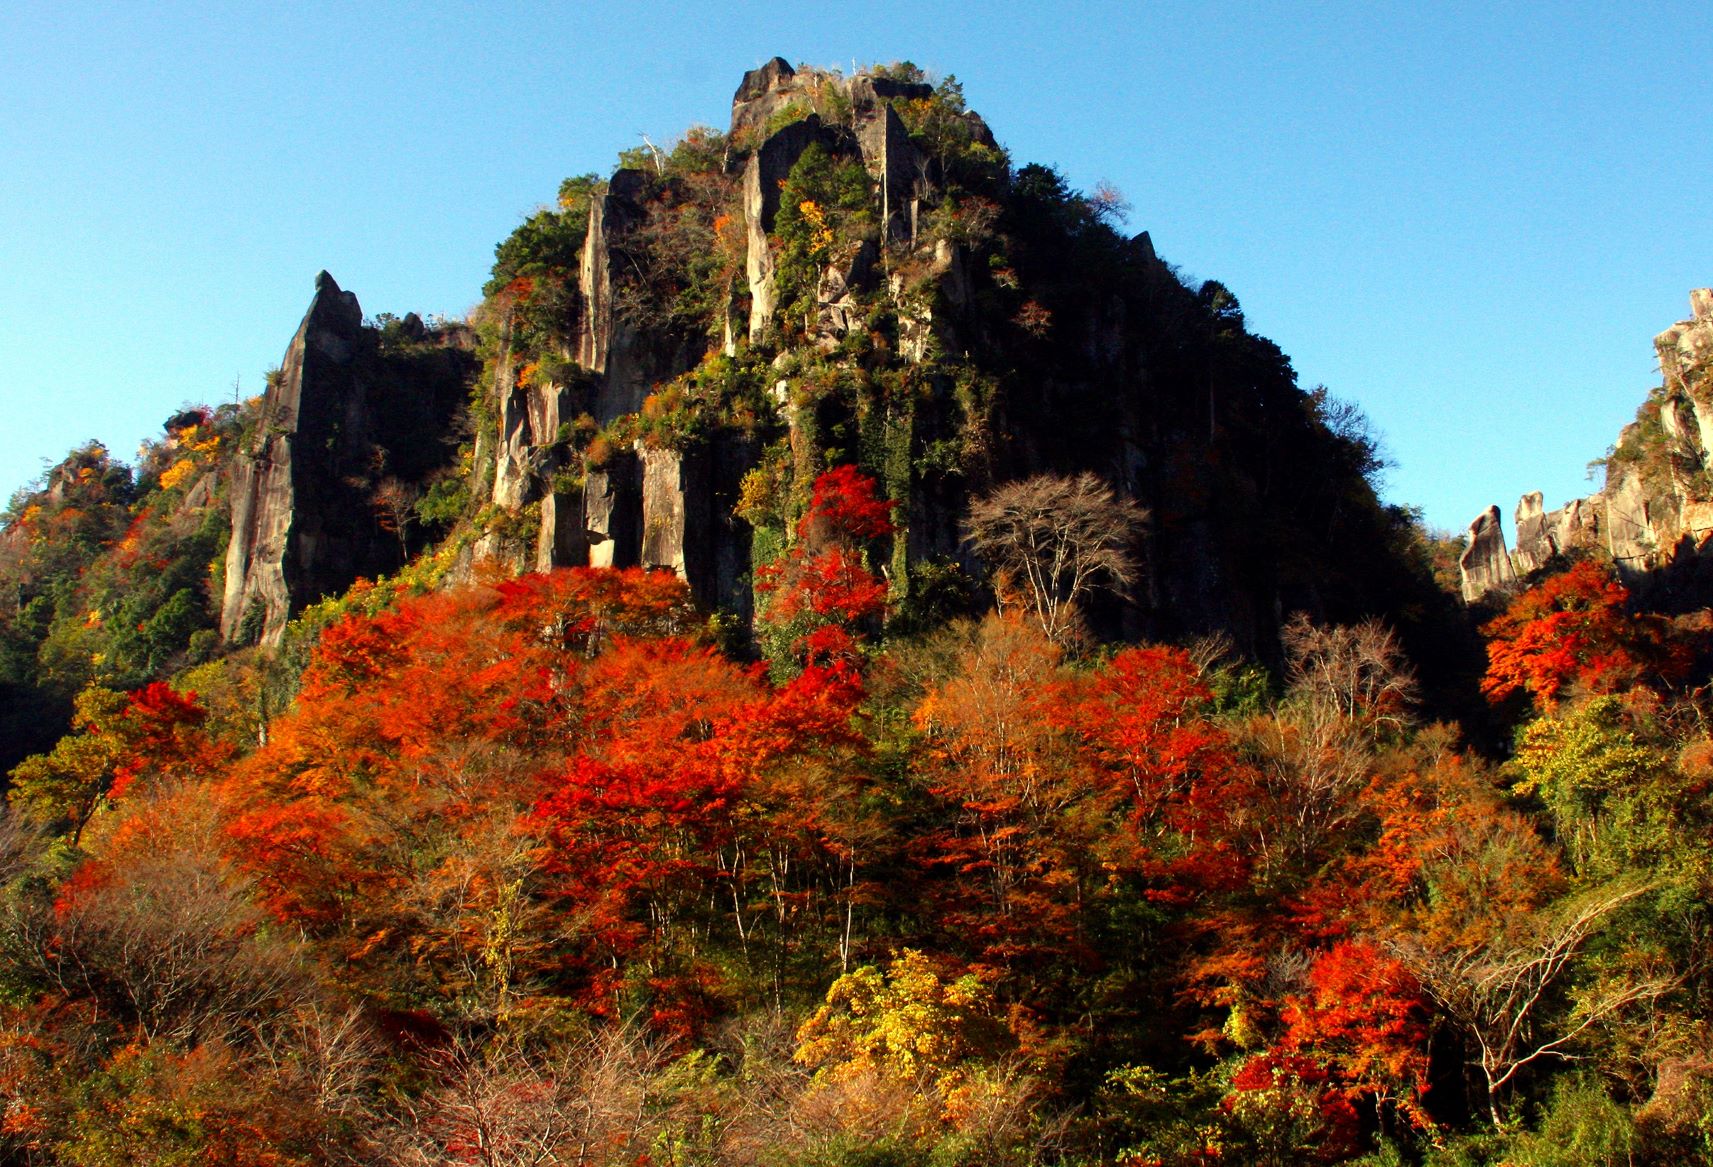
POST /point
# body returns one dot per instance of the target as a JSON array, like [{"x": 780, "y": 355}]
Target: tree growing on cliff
[{"x": 1057, "y": 539}]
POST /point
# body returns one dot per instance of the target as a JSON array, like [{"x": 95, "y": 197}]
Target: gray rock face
[
  {"x": 1485, "y": 564},
  {"x": 1631, "y": 538},
  {"x": 606, "y": 344},
  {"x": 837, "y": 310},
  {"x": 561, "y": 540},
  {"x": 759, "y": 94},
  {"x": 612, "y": 512},
  {"x": 1535, "y": 543},
  {"x": 627, "y": 362},
  {"x": 891, "y": 159},
  {"x": 341, "y": 416},
  {"x": 512, "y": 471},
  {"x": 311, "y": 414},
  {"x": 1685, "y": 349},
  {"x": 768, "y": 167},
  {"x": 674, "y": 511}
]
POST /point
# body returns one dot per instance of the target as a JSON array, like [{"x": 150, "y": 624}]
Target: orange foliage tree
[{"x": 1574, "y": 631}]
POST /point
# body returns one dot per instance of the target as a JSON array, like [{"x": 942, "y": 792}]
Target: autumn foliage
[
  {"x": 1575, "y": 631},
  {"x": 528, "y": 859}
]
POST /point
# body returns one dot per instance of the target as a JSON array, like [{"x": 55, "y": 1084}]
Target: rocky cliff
[
  {"x": 853, "y": 271},
  {"x": 1653, "y": 517},
  {"x": 344, "y": 416}
]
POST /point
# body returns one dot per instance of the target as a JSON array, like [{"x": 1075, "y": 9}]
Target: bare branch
[{"x": 1059, "y": 538}]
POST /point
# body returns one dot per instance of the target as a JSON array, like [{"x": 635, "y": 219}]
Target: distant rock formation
[
  {"x": 1653, "y": 517},
  {"x": 1485, "y": 564}
]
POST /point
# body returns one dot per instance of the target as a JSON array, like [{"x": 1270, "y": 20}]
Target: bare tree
[
  {"x": 1356, "y": 672},
  {"x": 499, "y": 1106},
  {"x": 395, "y": 509},
  {"x": 1058, "y": 538},
  {"x": 176, "y": 941},
  {"x": 1502, "y": 992}
]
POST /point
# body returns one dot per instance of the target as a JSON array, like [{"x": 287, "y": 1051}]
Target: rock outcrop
[
  {"x": 1485, "y": 564},
  {"x": 646, "y": 399},
  {"x": 764, "y": 175},
  {"x": 341, "y": 417},
  {"x": 626, "y": 361},
  {"x": 1653, "y": 517},
  {"x": 286, "y": 486}
]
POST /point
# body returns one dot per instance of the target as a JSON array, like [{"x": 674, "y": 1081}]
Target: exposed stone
[
  {"x": 282, "y": 542},
  {"x": 1535, "y": 544},
  {"x": 603, "y": 337},
  {"x": 1575, "y": 526},
  {"x": 926, "y": 319},
  {"x": 1685, "y": 352},
  {"x": 868, "y": 90},
  {"x": 674, "y": 511},
  {"x": 1652, "y": 516},
  {"x": 688, "y": 526},
  {"x": 758, "y": 95},
  {"x": 342, "y": 415},
  {"x": 612, "y": 512},
  {"x": 1485, "y": 564},
  {"x": 561, "y": 540},
  {"x": 767, "y": 169},
  {"x": 892, "y": 160},
  {"x": 1631, "y": 539},
  {"x": 838, "y": 311},
  {"x": 512, "y": 477},
  {"x": 200, "y": 495}
]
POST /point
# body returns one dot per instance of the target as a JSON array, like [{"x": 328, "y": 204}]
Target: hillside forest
[{"x": 977, "y": 856}]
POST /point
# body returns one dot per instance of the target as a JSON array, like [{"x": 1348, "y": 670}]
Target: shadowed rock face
[
  {"x": 339, "y": 418},
  {"x": 764, "y": 175},
  {"x": 970, "y": 325},
  {"x": 1653, "y": 518},
  {"x": 612, "y": 512},
  {"x": 312, "y": 421}
]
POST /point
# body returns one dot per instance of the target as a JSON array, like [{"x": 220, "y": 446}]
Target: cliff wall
[
  {"x": 852, "y": 272},
  {"x": 1653, "y": 517},
  {"x": 340, "y": 418}
]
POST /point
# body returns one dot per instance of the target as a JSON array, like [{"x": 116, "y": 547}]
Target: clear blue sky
[{"x": 1469, "y": 220}]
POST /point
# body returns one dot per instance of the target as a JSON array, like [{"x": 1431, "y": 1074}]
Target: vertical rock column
[
  {"x": 292, "y": 527},
  {"x": 1485, "y": 564}
]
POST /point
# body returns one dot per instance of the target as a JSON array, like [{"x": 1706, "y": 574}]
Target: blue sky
[{"x": 1470, "y": 220}]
